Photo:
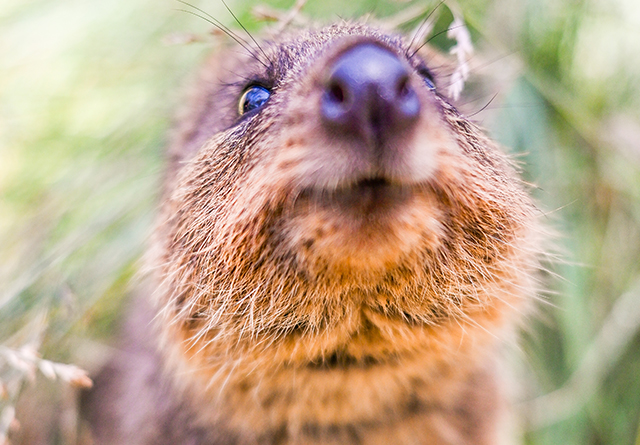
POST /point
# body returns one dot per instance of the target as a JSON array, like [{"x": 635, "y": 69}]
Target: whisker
[
  {"x": 215, "y": 22},
  {"x": 434, "y": 36},
  {"x": 218, "y": 23},
  {"x": 484, "y": 107},
  {"x": 424, "y": 22},
  {"x": 245, "y": 29}
]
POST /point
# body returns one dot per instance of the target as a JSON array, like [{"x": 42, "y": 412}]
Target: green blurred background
[{"x": 87, "y": 94}]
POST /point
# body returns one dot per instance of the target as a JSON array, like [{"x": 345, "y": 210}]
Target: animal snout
[{"x": 368, "y": 95}]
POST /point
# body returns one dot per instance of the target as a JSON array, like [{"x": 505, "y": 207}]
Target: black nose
[{"x": 368, "y": 94}]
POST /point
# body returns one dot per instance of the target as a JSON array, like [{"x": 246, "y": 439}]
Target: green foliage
[{"x": 87, "y": 91}]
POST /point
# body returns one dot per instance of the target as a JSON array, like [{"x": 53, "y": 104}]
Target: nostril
[
  {"x": 336, "y": 92},
  {"x": 335, "y": 103},
  {"x": 403, "y": 90}
]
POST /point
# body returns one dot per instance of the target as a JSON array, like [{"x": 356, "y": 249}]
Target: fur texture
[{"x": 294, "y": 308}]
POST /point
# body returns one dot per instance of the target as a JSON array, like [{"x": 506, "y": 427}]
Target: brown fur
[{"x": 290, "y": 312}]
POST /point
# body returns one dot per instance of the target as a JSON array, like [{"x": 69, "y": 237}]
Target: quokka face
[{"x": 339, "y": 250}]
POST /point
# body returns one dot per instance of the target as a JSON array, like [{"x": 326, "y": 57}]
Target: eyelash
[{"x": 427, "y": 77}]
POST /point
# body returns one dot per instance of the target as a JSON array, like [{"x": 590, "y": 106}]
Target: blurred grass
[{"x": 87, "y": 91}]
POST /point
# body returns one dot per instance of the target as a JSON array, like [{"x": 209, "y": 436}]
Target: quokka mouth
[{"x": 365, "y": 197}]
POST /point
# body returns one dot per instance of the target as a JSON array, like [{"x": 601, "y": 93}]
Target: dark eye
[
  {"x": 253, "y": 98},
  {"x": 427, "y": 77}
]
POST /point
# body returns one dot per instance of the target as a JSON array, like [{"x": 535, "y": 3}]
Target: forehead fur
[{"x": 291, "y": 52}]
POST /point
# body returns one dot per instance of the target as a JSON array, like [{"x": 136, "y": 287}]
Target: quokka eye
[
  {"x": 253, "y": 98},
  {"x": 429, "y": 83},
  {"x": 427, "y": 77}
]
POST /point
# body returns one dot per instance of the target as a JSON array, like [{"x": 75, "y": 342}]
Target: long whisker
[
  {"x": 484, "y": 107},
  {"x": 215, "y": 22},
  {"x": 417, "y": 33},
  {"x": 218, "y": 23},
  {"x": 245, "y": 29},
  {"x": 433, "y": 37}
]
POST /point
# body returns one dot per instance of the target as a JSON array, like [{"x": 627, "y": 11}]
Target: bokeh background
[{"x": 87, "y": 94}]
